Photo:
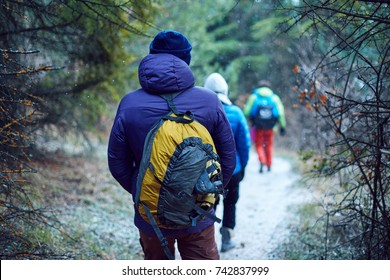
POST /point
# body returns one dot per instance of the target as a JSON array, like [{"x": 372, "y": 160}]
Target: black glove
[
  {"x": 242, "y": 174},
  {"x": 282, "y": 131}
]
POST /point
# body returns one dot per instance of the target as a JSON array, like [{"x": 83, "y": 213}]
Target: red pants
[
  {"x": 191, "y": 246},
  {"x": 264, "y": 141}
]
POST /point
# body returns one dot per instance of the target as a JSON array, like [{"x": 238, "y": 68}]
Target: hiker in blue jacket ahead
[
  {"x": 166, "y": 70},
  {"x": 217, "y": 83}
]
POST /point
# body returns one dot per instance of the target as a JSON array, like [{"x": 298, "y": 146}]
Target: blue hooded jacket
[
  {"x": 237, "y": 120},
  {"x": 241, "y": 135},
  {"x": 140, "y": 109}
]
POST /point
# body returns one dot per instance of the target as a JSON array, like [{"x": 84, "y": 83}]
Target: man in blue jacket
[
  {"x": 217, "y": 83},
  {"x": 166, "y": 70}
]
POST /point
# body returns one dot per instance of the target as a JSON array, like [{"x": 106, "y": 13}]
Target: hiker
[
  {"x": 265, "y": 109},
  {"x": 166, "y": 70},
  {"x": 237, "y": 120}
]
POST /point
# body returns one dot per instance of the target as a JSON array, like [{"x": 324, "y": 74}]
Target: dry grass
[{"x": 94, "y": 212}]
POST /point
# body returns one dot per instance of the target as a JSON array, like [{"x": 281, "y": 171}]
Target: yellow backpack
[{"x": 180, "y": 174}]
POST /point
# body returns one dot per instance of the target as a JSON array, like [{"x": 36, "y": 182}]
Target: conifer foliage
[{"x": 52, "y": 53}]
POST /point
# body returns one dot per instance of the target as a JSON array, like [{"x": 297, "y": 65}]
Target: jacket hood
[
  {"x": 217, "y": 83},
  {"x": 164, "y": 73},
  {"x": 263, "y": 91}
]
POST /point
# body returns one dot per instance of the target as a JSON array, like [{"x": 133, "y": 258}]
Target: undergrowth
[{"x": 88, "y": 215}]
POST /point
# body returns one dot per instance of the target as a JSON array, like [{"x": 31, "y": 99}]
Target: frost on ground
[
  {"x": 264, "y": 209},
  {"x": 98, "y": 212}
]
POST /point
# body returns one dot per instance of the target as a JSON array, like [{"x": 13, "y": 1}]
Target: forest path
[
  {"x": 263, "y": 210},
  {"x": 100, "y": 211}
]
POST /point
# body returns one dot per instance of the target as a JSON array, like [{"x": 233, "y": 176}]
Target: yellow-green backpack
[{"x": 180, "y": 174}]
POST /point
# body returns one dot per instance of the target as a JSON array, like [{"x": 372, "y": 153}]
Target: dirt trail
[
  {"x": 263, "y": 210},
  {"x": 101, "y": 211}
]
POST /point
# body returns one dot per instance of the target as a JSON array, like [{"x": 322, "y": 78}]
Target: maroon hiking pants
[{"x": 191, "y": 246}]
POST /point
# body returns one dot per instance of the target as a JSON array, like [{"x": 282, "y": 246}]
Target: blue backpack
[{"x": 266, "y": 112}]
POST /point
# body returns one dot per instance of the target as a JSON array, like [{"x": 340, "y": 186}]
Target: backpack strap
[
  {"x": 169, "y": 99},
  {"x": 163, "y": 240},
  {"x": 180, "y": 117},
  {"x": 202, "y": 212}
]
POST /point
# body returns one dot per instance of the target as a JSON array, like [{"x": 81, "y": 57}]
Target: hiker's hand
[
  {"x": 242, "y": 174},
  {"x": 282, "y": 131}
]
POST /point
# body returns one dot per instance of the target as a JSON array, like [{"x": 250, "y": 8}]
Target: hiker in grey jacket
[{"x": 166, "y": 70}]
